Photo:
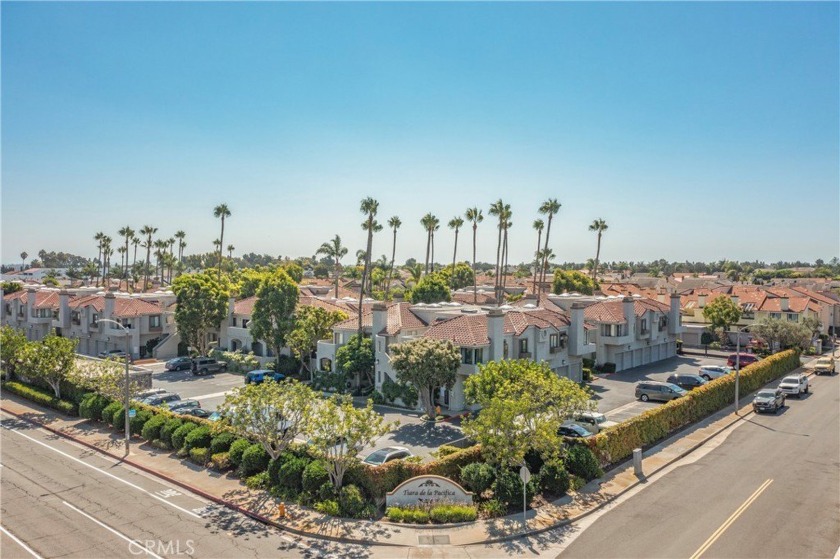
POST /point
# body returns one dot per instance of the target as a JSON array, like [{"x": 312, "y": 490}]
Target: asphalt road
[{"x": 771, "y": 489}]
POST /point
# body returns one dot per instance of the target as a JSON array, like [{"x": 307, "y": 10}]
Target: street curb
[{"x": 251, "y": 514}]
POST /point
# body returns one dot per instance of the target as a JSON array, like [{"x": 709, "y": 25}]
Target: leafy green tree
[
  {"x": 105, "y": 377},
  {"x": 321, "y": 271},
  {"x": 248, "y": 281},
  {"x": 10, "y": 287},
  {"x": 463, "y": 277},
  {"x": 294, "y": 270},
  {"x": 273, "y": 318},
  {"x": 781, "y": 334},
  {"x": 356, "y": 357},
  {"x": 573, "y": 281},
  {"x": 426, "y": 364},
  {"x": 202, "y": 304},
  {"x": 433, "y": 288},
  {"x": 51, "y": 360},
  {"x": 813, "y": 325},
  {"x": 13, "y": 344},
  {"x": 523, "y": 404},
  {"x": 722, "y": 312},
  {"x": 339, "y": 432},
  {"x": 270, "y": 413},
  {"x": 311, "y": 324}
]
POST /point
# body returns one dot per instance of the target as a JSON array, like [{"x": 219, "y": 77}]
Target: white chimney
[
  {"x": 674, "y": 326},
  {"x": 784, "y": 303},
  {"x": 64, "y": 308},
  {"x": 496, "y": 333},
  {"x": 577, "y": 333},
  {"x": 701, "y": 301},
  {"x": 628, "y": 306},
  {"x": 380, "y": 318}
]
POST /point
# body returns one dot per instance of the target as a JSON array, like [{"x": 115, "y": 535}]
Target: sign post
[{"x": 525, "y": 475}]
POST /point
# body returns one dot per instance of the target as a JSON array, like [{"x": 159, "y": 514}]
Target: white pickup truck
[{"x": 795, "y": 385}]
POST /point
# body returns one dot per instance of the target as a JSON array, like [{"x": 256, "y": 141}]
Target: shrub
[
  {"x": 118, "y": 418},
  {"x": 450, "y": 466},
  {"x": 258, "y": 481},
  {"x": 405, "y": 392},
  {"x": 315, "y": 475},
  {"x": 199, "y": 455},
  {"x": 576, "y": 482},
  {"x": 608, "y": 368},
  {"x": 139, "y": 420},
  {"x": 42, "y": 397},
  {"x": 108, "y": 412},
  {"x": 151, "y": 429},
  {"x": 157, "y": 443},
  {"x": 329, "y": 507},
  {"x": 445, "y": 450},
  {"x": 508, "y": 487},
  {"x": 254, "y": 460},
  {"x": 394, "y": 514},
  {"x": 588, "y": 363},
  {"x": 411, "y": 515},
  {"x": 554, "y": 478},
  {"x": 287, "y": 365},
  {"x": 199, "y": 437},
  {"x": 377, "y": 397},
  {"x": 449, "y": 514},
  {"x": 92, "y": 405},
  {"x": 180, "y": 435},
  {"x": 350, "y": 502},
  {"x": 237, "y": 449},
  {"x": 478, "y": 477},
  {"x": 222, "y": 442},
  {"x": 168, "y": 429},
  {"x": 581, "y": 461},
  {"x": 493, "y": 508},
  {"x": 290, "y": 474},
  {"x": 220, "y": 461},
  {"x": 587, "y": 374},
  {"x": 327, "y": 491}
]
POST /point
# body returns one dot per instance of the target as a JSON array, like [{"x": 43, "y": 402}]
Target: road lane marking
[
  {"x": 732, "y": 518},
  {"x": 20, "y": 543},
  {"x": 101, "y": 471},
  {"x": 214, "y": 395},
  {"x": 132, "y": 544}
]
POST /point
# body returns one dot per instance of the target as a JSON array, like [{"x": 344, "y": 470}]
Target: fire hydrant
[{"x": 281, "y": 510}]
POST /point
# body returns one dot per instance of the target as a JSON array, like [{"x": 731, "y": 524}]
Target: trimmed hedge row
[
  {"x": 617, "y": 443},
  {"x": 41, "y": 396}
]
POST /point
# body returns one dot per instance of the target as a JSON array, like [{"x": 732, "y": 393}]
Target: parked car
[
  {"x": 177, "y": 406},
  {"x": 572, "y": 429},
  {"x": 179, "y": 364},
  {"x": 593, "y": 421},
  {"x": 795, "y": 385},
  {"x": 744, "y": 359},
  {"x": 150, "y": 392},
  {"x": 195, "y": 412},
  {"x": 687, "y": 381},
  {"x": 769, "y": 399},
  {"x": 662, "y": 391},
  {"x": 256, "y": 377},
  {"x": 114, "y": 354},
  {"x": 711, "y": 372},
  {"x": 215, "y": 416},
  {"x": 383, "y": 455},
  {"x": 159, "y": 399},
  {"x": 825, "y": 366},
  {"x": 205, "y": 365}
]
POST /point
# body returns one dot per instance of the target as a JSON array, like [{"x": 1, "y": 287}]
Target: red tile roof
[
  {"x": 399, "y": 317},
  {"x": 612, "y": 312},
  {"x": 471, "y": 329}
]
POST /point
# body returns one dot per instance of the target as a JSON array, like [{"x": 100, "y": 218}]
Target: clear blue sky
[{"x": 697, "y": 131}]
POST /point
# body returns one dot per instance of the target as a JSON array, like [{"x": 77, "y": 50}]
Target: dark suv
[
  {"x": 769, "y": 399},
  {"x": 687, "y": 381},
  {"x": 204, "y": 365}
]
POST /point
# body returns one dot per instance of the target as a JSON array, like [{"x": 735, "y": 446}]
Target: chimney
[
  {"x": 496, "y": 333},
  {"x": 64, "y": 308},
  {"x": 784, "y": 303},
  {"x": 108, "y": 312},
  {"x": 231, "y": 307},
  {"x": 577, "y": 334},
  {"x": 674, "y": 326},
  {"x": 628, "y": 305},
  {"x": 661, "y": 295},
  {"x": 736, "y": 300},
  {"x": 701, "y": 301},
  {"x": 380, "y": 318},
  {"x": 30, "y": 303}
]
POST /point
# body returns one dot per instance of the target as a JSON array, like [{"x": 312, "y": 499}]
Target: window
[
  {"x": 523, "y": 345},
  {"x": 8, "y": 308},
  {"x": 234, "y": 321},
  {"x": 154, "y": 321},
  {"x": 467, "y": 355},
  {"x": 554, "y": 341},
  {"x": 379, "y": 377},
  {"x": 245, "y": 322},
  {"x": 644, "y": 326},
  {"x": 606, "y": 330},
  {"x": 55, "y": 314},
  {"x": 589, "y": 336},
  {"x": 663, "y": 322},
  {"x": 125, "y": 322},
  {"x": 43, "y": 313},
  {"x": 94, "y": 319},
  {"x": 776, "y": 315},
  {"x": 75, "y": 317},
  {"x": 336, "y": 338},
  {"x": 479, "y": 355},
  {"x": 793, "y": 317},
  {"x": 506, "y": 349}
]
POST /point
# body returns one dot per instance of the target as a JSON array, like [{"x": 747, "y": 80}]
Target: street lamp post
[
  {"x": 127, "y": 394},
  {"x": 738, "y": 365}
]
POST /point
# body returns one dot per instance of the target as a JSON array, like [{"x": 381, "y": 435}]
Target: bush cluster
[
  {"x": 254, "y": 460},
  {"x": 199, "y": 437},
  {"x": 168, "y": 429},
  {"x": 478, "y": 477},
  {"x": 179, "y": 437},
  {"x": 41, "y": 396},
  {"x": 554, "y": 478},
  {"x": 237, "y": 449},
  {"x": 405, "y": 392},
  {"x": 91, "y": 405},
  {"x": 221, "y": 442},
  {"x": 151, "y": 429},
  {"x": 581, "y": 461},
  {"x": 438, "y": 514}
]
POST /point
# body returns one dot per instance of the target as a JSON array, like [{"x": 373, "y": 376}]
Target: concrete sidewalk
[{"x": 227, "y": 490}]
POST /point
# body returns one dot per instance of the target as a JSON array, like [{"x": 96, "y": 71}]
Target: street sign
[
  {"x": 524, "y": 474},
  {"x": 132, "y": 413}
]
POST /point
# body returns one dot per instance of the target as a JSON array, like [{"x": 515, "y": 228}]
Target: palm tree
[
  {"x": 160, "y": 245},
  {"x": 369, "y": 207},
  {"x": 505, "y": 252},
  {"x": 435, "y": 227},
  {"x": 127, "y": 233},
  {"x": 455, "y": 223},
  {"x": 538, "y": 225},
  {"x": 221, "y": 211},
  {"x": 550, "y": 207},
  {"x": 148, "y": 231},
  {"x": 475, "y": 216},
  {"x": 181, "y": 244},
  {"x": 107, "y": 251},
  {"x": 497, "y": 209},
  {"x": 599, "y": 226},
  {"x": 98, "y": 238},
  {"x": 24, "y": 255},
  {"x": 230, "y": 249},
  {"x": 334, "y": 250},
  {"x": 135, "y": 240},
  {"x": 394, "y": 223},
  {"x": 427, "y": 221},
  {"x": 123, "y": 261},
  {"x": 171, "y": 260}
]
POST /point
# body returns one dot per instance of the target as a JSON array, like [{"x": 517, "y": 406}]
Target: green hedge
[
  {"x": 92, "y": 404},
  {"x": 151, "y": 430},
  {"x": 617, "y": 443},
  {"x": 179, "y": 437},
  {"x": 42, "y": 397}
]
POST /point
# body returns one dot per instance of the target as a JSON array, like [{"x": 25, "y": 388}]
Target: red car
[{"x": 745, "y": 359}]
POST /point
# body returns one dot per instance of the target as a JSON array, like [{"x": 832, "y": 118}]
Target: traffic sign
[{"x": 132, "y": 413}]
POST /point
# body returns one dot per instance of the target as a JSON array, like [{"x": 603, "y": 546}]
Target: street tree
[
  {"x": 338, "y": 432},
  {"x": 310, "y": 325},
  {"x": 13, "y": 344},
  {"x": 270, "y": 413},
  {"x": 273, "y": 317},
  {"x": 462, "y": 277},
  {"x": 427, "y": 364},
  {"x": 105, "y": 377},
  {"x": 355, "y": 358},
  {"x": 781, "y": 334},
  {"x": 722, "y": 312},
  {"x": 202, "y": 304},
  {"x": 51, "y": 360},
  {"x": 433, "y": 288}
]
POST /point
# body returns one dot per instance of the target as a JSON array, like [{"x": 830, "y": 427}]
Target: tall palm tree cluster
[{"x": 430, "y": 223}]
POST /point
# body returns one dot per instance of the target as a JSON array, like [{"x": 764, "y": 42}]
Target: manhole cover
[{"x": 433, "y": 540}]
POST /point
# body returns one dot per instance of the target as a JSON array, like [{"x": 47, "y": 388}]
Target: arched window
[{"x": 326, "y": 364}]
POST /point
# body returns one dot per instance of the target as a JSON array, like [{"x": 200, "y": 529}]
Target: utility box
[{"x": 637, "y": 462}]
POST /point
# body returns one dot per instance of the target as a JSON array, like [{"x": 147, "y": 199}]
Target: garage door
[
  {"x": 637, "y": 357},
  {"x": 645, "y": 355}
]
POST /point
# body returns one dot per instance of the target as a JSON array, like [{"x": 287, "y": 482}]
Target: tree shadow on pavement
[{"x": 427, "y": 434}]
